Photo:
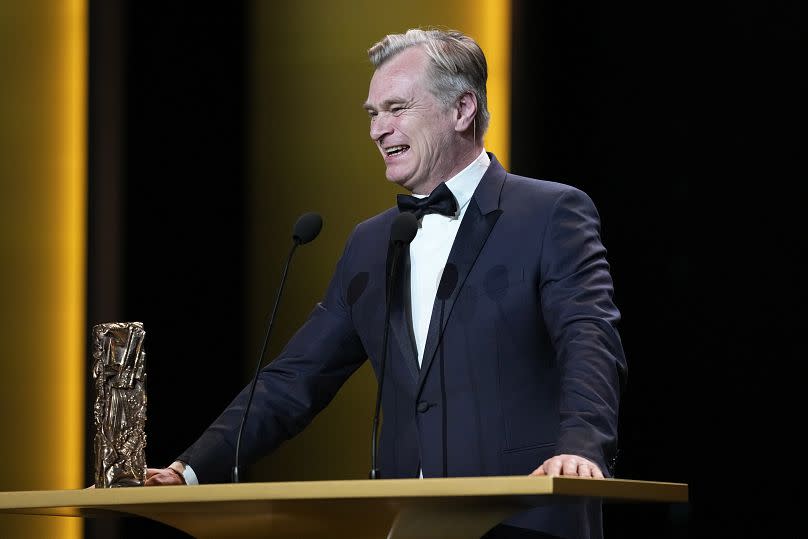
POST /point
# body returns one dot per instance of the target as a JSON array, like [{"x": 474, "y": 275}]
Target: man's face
[{"x": 412, "y": 129}]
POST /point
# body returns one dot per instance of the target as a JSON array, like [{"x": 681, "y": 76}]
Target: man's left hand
[{"x": 571, "y": 465}]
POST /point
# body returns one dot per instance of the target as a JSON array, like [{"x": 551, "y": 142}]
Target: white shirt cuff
[{"x": 189, "y": 476}]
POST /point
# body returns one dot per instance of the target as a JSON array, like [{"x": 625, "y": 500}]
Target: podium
[{"x": 448, "y": 508}]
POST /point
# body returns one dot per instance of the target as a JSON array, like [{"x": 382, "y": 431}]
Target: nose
[{"x": 380, "y": 126}]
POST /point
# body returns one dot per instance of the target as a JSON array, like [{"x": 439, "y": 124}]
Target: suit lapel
[
  {"x": 400, "y": 318},
  {"x": 480, "y": 217}
]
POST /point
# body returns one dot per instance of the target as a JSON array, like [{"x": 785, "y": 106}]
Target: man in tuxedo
[{"x": 503, "y": 357}]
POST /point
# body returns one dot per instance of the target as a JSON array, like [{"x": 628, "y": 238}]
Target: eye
[{"x": 396, "y": 110}]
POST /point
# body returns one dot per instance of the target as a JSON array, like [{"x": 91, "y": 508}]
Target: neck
[{"x": 463, "y": 159}]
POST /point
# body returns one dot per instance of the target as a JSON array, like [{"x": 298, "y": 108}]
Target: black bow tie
[{"x": 441, "y": 201}]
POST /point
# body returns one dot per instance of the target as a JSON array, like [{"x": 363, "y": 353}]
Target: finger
[
  {"x": 539, "y": 471},
  {"x": 587, "y": 468},
  {"x": 570, "y": 467},
  {"x": 152, "y": 471},
  {"x": 553, "y": 467},
  {"x": 155, "y": 480}
]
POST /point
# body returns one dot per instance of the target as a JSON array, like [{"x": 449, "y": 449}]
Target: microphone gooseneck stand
[
  {"x": 402, "y": 232},
  {"x": 306, "y": 228},
  {"x": 448, "y": 282}
]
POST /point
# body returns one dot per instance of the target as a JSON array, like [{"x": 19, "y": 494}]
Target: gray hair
[{"x": 458, "y": 65}]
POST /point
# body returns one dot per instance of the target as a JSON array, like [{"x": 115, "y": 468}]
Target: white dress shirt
[{"x": 430, "y": 248}]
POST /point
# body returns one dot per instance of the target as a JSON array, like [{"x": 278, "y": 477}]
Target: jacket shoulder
[
  {"x": 540, "y": 194},
  {"x": 525, "y": 185}
]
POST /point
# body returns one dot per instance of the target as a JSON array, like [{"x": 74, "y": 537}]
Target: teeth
[{"x": 395, "y": 149}]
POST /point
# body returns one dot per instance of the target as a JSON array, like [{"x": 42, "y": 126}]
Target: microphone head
[
  {"x": 307, "y": 228},
  {"x": 404, "y": 228}
]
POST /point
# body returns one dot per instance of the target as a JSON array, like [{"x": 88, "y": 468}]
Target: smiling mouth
[{"x": 395, "y": 151}]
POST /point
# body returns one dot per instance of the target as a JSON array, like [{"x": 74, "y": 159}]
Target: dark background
[{"x": 685, "y": 125}]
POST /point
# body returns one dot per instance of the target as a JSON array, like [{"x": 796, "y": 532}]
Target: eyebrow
[{"x": 384, "y": 104}]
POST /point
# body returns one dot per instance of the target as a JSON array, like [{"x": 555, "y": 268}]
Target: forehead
[{"x": 402, "y": 76}]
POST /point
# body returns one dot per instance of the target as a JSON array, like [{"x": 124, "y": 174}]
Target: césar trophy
[{"x": 120, "y": 404}]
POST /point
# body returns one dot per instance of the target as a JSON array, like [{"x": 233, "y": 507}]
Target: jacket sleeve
[
  {"x": 577, "y": 302},
  {"x": 290, "y": 391}
]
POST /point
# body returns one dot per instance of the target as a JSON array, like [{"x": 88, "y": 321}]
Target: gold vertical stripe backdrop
[
  {"x": 310, "y": 151},
  {"x": 495, "y": 40},
  {"x": 43, "y": 61}
]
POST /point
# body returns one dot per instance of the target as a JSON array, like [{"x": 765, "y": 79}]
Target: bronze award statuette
[{"x": 120, "y": 404}]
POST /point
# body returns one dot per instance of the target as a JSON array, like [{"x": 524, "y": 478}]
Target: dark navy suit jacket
[{"x": 532, "y": 362}]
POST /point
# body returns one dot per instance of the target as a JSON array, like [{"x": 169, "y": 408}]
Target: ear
[{"x": 465, "y": 110}]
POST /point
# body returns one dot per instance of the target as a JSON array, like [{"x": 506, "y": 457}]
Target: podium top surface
[
  {"x": 446, "y": 508},
  {"x": 610, "y": 489}
]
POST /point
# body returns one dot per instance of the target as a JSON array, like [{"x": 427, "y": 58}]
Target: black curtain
[
  {"x": 685, "y": 125},
  {"x": 167, "y": 215}
]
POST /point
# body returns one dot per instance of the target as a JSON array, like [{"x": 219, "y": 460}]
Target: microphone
[
  {"x": 402, "y": 232},
  {"x": 306, "y": 228},
  {"x": 403, "y": 229},
  {"x": 448, "y": 281}
]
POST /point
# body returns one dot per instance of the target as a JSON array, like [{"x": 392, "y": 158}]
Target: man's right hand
[{"x": 160, "y": 477}]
